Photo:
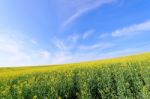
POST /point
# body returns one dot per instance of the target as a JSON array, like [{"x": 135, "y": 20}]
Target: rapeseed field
[{"x": 119, "y": 78}]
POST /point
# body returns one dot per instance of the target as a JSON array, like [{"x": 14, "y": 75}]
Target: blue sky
[{"x": 35, "y": 32}]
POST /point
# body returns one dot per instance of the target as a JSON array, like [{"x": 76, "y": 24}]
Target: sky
[{"x": 41, "y": 32}]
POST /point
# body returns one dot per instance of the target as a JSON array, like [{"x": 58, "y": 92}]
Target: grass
[{"x": 119, "y": 78}]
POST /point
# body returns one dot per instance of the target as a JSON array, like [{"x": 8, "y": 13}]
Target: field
[{"x": 119, "y": 78}]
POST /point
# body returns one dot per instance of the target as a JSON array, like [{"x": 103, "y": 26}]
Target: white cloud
[
  {"x": 45, "y": 54},
  {"x": 124, "y": 52},
  {"x": 96, "y": 46},
  {"x": 133, "y": 29},
  {"x": 63, "y": 49},
  {"x": 104, "y": 35},
  {"x": 17, "y": 50},
  {"x": 97, "y": 55},
  {"x": 61, "y": 57},
  {"x": 85, "y": 7},
  {"x": 88, "y": 33},
  {"x": 59, "y": 44},
  {"x": 11, "y": 49},
  {"x": 66, "y": 43},
  {"x": 73, "y": 38},
  {"x": 34, "y": 42},
  {"x": 94, "y": 55}
]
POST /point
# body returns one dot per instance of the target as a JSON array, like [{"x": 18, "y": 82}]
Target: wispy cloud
[
  {"x": 63, "y": 48},
  {"x": 60, "y": 44},
  {"x": 99, "y": 46},
  {"x": 18, "y": 50},
  {"x": 104, "y": 35},
  {"x": 45, "y": 54},
  {"x": 11, "y": 49},
  {"x": 66, "y": 43},
  {"x": 88, "y": 6},
  {"x": 133, "y": 29},
  {"x": 73, "y": 39},
  {"x": 88, "y": 33},
  {"x": 34, "y": 42}
]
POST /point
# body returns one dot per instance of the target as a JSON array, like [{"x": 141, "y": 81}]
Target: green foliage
[{"x": 122, "y": 80}]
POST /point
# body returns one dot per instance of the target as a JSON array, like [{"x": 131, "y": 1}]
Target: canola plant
[{"x": 119, "y": 78}]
